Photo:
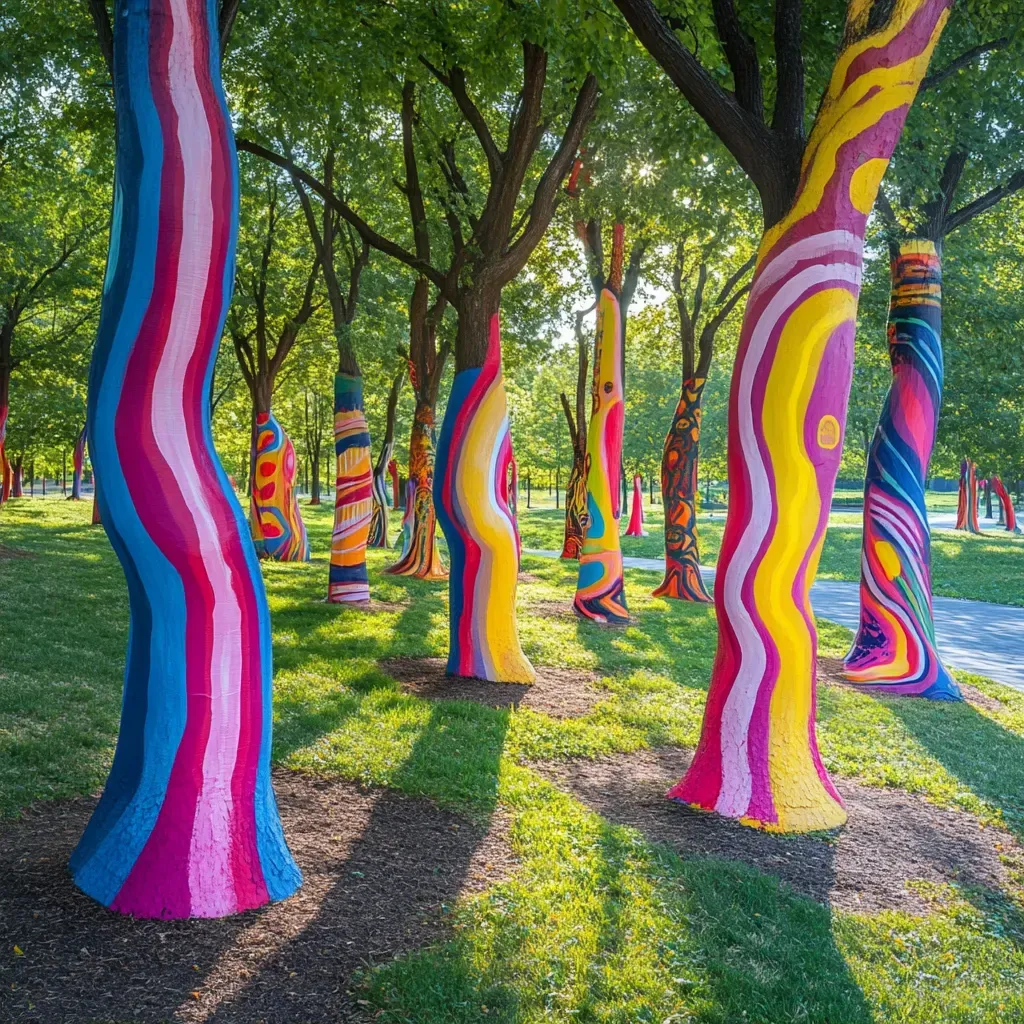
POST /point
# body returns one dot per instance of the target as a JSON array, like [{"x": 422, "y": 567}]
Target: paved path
[{"x": 972, "y": 635}]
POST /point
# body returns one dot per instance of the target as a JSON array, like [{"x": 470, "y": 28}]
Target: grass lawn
[
  {"x": 983, "y": 567},
  {"x": 596, "y": 923}
]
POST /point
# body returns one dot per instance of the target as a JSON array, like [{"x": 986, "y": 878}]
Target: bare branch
[
  {"x": 985, "y": 202},
  {"x": 965, "y": 59}
]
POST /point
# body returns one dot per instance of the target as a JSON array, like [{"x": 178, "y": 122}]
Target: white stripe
[{"x": 209, "y": 860}]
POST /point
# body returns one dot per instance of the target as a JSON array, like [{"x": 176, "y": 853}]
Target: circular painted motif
[{"x": 828, "y": 432}]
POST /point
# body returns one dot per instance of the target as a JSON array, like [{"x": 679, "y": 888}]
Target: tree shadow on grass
[{"x": 985, "y": 757}]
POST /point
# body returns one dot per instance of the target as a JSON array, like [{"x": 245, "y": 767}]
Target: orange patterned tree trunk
[
  {"x": 422, "y": 559},
  {"x": 679, "y": 496}
]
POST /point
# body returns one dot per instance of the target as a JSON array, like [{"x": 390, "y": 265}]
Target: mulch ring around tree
[
  {"x": 830, "y": 670},
  {"x": 891, "y": 836},
  {"x": 558, "y": 692},
  {"x": 380, "y": 870}
]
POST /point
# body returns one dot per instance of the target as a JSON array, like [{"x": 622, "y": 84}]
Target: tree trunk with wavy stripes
[
  {"x": 349, "y": 581},
  {"x": 967, "y": 498},
  {"x": 5, "y": 465},
  {"x": 894, "y": 650},
  {"x": 757, "y": 759},
  {"x": 1009, "y": 515},
  {"x": 473, "y": 457},
  {"x": 187, "y": 825}
]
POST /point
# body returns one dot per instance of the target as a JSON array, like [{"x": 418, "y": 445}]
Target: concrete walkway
[{"x": 974, "y": 636}]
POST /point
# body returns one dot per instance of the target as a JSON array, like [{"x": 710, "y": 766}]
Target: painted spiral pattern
[
  {"x": 600, "y": 593},
  {"x": 683, "y": 580},
  {"x": 77, "y": 465},
  {"x": 474, "y": 451},
  {"x": 274, "y": 500},
  {"x": 757, "y": 759},
  {"x": 1009, "y": 514},
  {"x": 894, "y": 650},
  {"x": 349, "y": 581},
  {"x": 187, "y": 825},
  {"x": 967, "y": 498}
]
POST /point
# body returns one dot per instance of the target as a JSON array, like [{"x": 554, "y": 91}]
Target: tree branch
[
  {"x": 966, "y": 213},
  {"x": 965, "y": 59},
  {"x": 741, "y": 54},
  {"x": 790, "y": 94}
]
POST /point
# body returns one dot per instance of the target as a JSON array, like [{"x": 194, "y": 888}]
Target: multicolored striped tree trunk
[
  {"x": 1009, "y": 516},
  {"x": 393, "y": 473},
  {"x": 407, "y": 518},
  {"x": 600, "y": 593},
  {"x": 378, "y": 536},
  {"x": 187, "y": 825},
  {"x": 967, "y": 498},
  {"x": 473, "y": 457},
  {"x": 679, "y": 497},
  {"x": 77, "y": 463},
  {"x": 894, "y": 650},
  {"x": 349, "y": 581},
  {"x": 575, "y": 509},
  {"x": 274, "y": 501},
  {"x": 758, "y": 759},
  {"x": 420, "y": 556}
]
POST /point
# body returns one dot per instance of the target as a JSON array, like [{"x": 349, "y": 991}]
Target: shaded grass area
[
  {"x": 597, "y": 924},
  {"x": 985, "y": 567}
]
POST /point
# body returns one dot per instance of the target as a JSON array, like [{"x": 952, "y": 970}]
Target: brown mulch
[
  {"x": 8, "y": 553},
  {"x": 379, "y": 870},
  {"x": 558, "y": 692},
  {"x": 552, "y": 609},
  {"x": 830, "y": 671},
  {"x": 891, "y": 836}
]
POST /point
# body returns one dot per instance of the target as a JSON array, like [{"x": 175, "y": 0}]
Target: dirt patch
[
  {"x": 379, "y": 870},
  {"x": 830, "y": 670},
  {"x": 891, "y": 836},
  {"x": 558, "y": 692},
  {"x": 9, "y": 553},
  {"x": 552, "y": 609},
  {"x": 528, "y": 577}
]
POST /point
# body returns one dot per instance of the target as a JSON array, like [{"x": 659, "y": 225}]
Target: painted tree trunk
[
  {"x": 77, "y": 462},
  {"x": 96, "y": 518},
  {"x": 1008, "y": 514},
  {"x": 600, "y": 594},
  {"x": 16, "y": 475},
  {"x": 682, "y": 580},
  {"x": 408, "y": 517},
  {"x": 274, "y": 501},
  {"x": 967, "y": 498},
  {"x": 378, "y": 536},
  {"x": 575, "y": 507},
  {"x": 5, "y": 465},
  {"x": 473, "y": 456},
  {"x": 393, "y": 472},
  {"x": 187, "y": 825},
  {"x": 420, "y": 557},
  {"x": 757, "y": 760},
  {"x": 894, "y": 650},
  {"x": 635, "y": 528},
  {"x": 349, "y": 582},
  {"x": 513, "y": 491}
]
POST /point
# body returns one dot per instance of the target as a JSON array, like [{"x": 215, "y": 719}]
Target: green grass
[
  {"x": 596, "y": 924},
  {"x": 984, "y": 567}
]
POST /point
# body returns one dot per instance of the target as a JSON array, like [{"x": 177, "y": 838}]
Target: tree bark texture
[
  {"x": 894, "y": 650},
  {"x": 757, "y": 759},
  {"x": 187, "y": 825},
  {"x": 473, "y": 456}
]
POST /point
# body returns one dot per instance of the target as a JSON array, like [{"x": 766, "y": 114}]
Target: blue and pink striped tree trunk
[{"x": 187, "y": 825}]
